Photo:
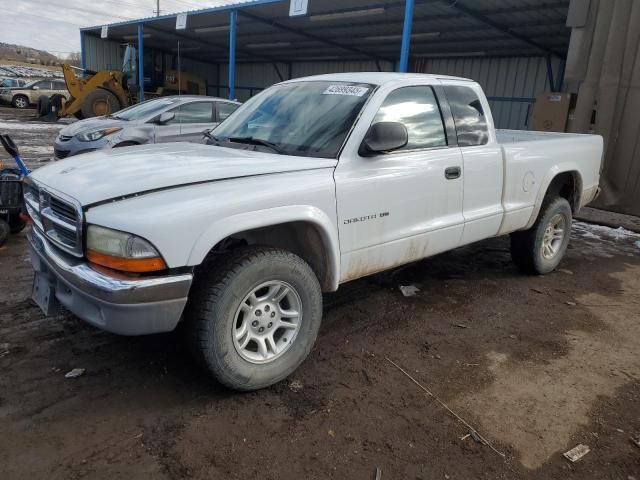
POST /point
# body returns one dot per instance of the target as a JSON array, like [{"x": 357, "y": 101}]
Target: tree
[{"x": 74, "y": 59}]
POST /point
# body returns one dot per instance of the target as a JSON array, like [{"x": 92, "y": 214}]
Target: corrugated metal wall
[
  {"x": 102, "y": 54},
  {"x": 511, "y": 83}
]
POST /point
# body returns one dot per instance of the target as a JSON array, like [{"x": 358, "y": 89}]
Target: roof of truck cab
[{"x": 376, "y": 78}]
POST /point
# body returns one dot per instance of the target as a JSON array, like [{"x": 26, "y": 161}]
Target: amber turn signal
[{"x": 135, "y": 265}]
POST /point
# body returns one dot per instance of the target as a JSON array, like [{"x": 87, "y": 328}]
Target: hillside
[{"x": 19, "y": 53}]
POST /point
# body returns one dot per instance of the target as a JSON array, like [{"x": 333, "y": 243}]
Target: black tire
[
  {"x": 99, "y": 102},
  {"x": 214, "y": 304},
  {"x": 5, "y": 231},
  {"x": 20, "y": 101},
  {"x": 528, "y": 247},
  {"x": 43, "y": 105},
  {"x": 16, "y": 225}
]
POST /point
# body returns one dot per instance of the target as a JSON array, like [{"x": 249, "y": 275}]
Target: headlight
[
  {"x": 122, "y": 251},
  {"x": 97, "y": 134}
]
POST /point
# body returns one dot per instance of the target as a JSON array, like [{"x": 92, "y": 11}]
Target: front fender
[{"x": 228, "y": 226}]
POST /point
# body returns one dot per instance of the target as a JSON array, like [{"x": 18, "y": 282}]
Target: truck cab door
[
  {"x": 482, "y": 158},
  {"x": 398, "y": 207}
]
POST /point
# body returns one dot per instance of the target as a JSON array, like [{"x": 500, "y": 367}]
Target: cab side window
[
  {"x": 468, "y": 115},
  {"x": 43, "y": 85},
  {"x": 417, "y": 108}
]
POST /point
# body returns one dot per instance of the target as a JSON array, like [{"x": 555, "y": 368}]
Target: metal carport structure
[{"x": 258, "y": 39}]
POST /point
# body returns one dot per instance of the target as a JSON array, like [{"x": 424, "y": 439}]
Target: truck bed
[
  {"x": 514, "y": 136},
  {"x": 532, "y": 159}
]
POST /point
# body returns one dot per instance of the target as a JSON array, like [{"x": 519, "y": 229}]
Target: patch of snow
[
  {"x": 36, "y": 149},
  {"x": 27, "y": 126},
  {"x": 604, "y": 242}
]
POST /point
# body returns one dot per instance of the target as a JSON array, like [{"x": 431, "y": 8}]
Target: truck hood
[{"x": 108, "y": 174}]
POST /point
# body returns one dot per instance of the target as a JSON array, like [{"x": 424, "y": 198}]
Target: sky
[{"x": 53, "y": 25}]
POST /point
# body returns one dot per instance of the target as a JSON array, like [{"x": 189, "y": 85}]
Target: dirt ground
[{"x": 537, "y": 365}]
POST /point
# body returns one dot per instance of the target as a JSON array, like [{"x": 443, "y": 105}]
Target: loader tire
[
  {"x": 43, "y": 105},
  {"x": 99, "y": 102}
]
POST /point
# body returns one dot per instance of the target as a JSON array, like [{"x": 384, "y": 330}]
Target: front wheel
[
  {"x": 540, "y": 249},
  {"x": 254, "y": 316},
  {"x": 20, "y": 101}
]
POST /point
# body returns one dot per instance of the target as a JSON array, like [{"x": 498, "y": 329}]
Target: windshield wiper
[{"x": 257, "y": 141}]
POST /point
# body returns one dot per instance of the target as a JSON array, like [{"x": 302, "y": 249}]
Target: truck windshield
[{"x": 301, "y": 118}]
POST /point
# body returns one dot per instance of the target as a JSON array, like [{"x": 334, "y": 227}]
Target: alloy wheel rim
[
  {"x": 20, "y": 102},
  {"x": 267, "y": 322},
  {"x": 553, "y": 236}
]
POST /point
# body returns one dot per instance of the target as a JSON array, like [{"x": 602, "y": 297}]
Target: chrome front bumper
[{"x": 120, "y": 305}]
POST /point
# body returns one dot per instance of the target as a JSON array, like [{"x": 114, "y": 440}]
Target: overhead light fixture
[
  {"x": 269, "y": 45},
  {"x": 415, "y": 36},
  {"x": 349, "y": 14},
  {"x": 452, "y": 54},
  {"x": 135, "y": 37},
  {"x": 221, "y": 28}
]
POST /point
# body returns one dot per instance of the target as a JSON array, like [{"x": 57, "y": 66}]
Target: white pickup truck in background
[{"x": 312, "y": 183}]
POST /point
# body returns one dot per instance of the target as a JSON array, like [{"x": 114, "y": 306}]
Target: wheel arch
[
  {"x": 562, "y": 182},
  {"x": 304, "y": 230}
]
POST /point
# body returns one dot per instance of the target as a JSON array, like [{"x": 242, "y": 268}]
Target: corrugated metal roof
[{"x": 360, "y": 30}]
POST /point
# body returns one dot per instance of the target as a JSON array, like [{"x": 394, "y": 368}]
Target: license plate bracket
[{"x": 44, "y": 295}]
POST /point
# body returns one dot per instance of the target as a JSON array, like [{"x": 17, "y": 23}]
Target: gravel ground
[{"x": 536, "y": 364}]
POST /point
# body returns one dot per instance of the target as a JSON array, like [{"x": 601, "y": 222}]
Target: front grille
[
  {"x": 60, "y": 154},
  {"x": 63, "y": 210},
  {"x": 58, "y": 218}
]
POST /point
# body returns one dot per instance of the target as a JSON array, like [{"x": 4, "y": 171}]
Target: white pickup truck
[{"x": 312, "y": 183}]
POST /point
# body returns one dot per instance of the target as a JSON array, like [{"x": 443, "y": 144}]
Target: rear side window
[
  {"x": 468, "y": 115},
  {"x": 197, "y": 112},
  {"x": 416, "y": 108},
  {"x": 59, "y": 86},
  {"x": 226, "y": 109}
]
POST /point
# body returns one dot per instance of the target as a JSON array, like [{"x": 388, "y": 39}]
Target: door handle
[{"x": 451, "y": 173}]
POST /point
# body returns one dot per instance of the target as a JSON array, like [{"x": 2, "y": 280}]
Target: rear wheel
[
  {"x": 20, "y": 101},
  {"x": 99, "y": 102},
  {"x": 254, "y": 317},
  {"x": 540, "y": 249}
]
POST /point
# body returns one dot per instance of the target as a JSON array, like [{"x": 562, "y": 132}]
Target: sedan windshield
[
  {"x": 301, "y": 118},
  {"x": 146, "y": 109}
]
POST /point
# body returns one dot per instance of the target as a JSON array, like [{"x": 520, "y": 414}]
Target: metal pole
[
  {"x": 83, "y": 51},
  {"x": 141, "y": 62},
  {"x": 157, "y": 8},
  {"x": 233, "y": 19},
  {"x": 406, "y": 35}
]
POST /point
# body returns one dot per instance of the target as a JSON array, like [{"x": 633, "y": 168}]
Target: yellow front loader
[{"x": 100, "y": 93}]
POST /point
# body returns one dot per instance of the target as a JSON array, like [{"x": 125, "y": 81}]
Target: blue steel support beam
[
  {"x": 406, "y": 35},
  {"x": 233, "y": 20},
  {"x": 552, "y": 83},
  {"x": 141, "y": 62},
  {"x": 83, "y": 50}
]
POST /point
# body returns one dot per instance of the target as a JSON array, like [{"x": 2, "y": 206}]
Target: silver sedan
[{"x": 166, "y": 119}]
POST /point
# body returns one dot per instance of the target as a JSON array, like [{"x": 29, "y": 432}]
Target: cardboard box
[{"x": 550, "y": 112}]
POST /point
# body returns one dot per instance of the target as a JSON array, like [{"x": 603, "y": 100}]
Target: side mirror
[
  {"x": 383, "y": 137},
  {"x": 165, "y": 117}
]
